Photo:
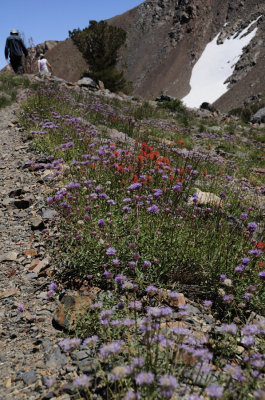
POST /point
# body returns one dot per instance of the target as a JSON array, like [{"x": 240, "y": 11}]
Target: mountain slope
[{"x": 166, "y": 39}]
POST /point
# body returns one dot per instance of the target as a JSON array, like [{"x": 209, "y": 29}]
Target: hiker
[
  {"x": 14, "y": 49},
  {"x": 44, "y": 65}
]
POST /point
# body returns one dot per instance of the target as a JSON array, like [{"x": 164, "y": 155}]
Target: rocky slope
[{"x": 165, "y": 40}]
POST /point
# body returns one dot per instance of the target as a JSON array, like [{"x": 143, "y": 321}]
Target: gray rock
[
  {"x": 87, "y": 82},
  {"x": 29, "y": 377},
  {"x": 259, "y": 117},
  {"x": 56, "y": 359},
  {"x": 48, "y": 213},
  {"x": 37, "y": 223}
]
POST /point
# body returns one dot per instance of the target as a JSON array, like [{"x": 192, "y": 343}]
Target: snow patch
[{"x": 215, "y": 65}]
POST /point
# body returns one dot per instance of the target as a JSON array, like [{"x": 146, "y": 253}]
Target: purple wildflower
[
  {"x": 207, "y": 303},
  {"x": 20, "y": 307},
  {"x": 252, "y": 226},
  {"x": 110, "y": 349},
  {"x": 82, "y": 381},
  {"x": 153, "y": 209},
  {"x": 262, "y": 275},
  {"x": 147, "y": 264},
  {"x": 144, "y": 378},
  {"x": 119, "y": 372},
  {"x": 111, "y": 251},
  {"x": 134, "y": 186},
  {"x": 214, "y": 390}
]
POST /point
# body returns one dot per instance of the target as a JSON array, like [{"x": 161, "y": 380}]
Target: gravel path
[{"x": 28, "y": 353}]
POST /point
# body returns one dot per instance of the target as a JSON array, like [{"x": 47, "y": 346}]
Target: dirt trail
[{"x": 28, "y": 353}]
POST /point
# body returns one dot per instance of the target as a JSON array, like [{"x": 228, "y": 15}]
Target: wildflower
[
  {"x": 168, "y": 384},
  {"x": 248, "y": 340},
  {"x": 69, "y": 344},
  {"x": 232, "y": 328},
  {"x": 128, "y": 322},
  {"x": 91, "y": 340},
  {"x": 244, "y": 216},
  {"x": 120, "y": 278},
  {"x": 137, "y": 362},
  {"x": 207, "y": 303},
  {"x": 214, "y": 390},
  {"x": 49, "y": 382},
  {"x": 111, "y": 251},
  {"x": 144, "y": 378},
  {"x": 104, "y": 316},
  {"x": 245, "y": 260},
  {"x": 53, "y": 286},
  {"x": 116, "y": 262},
  {"x": 101, "y": 223},
  {"x": 147, "y": 264},
  {"x": 96, "y": 305},
  {"x": 20, "y": 307},
  {"x": 134, "y": 186},
  {"x": 259, "y": 394},
  {"x": 153, "y": 209},
  {"x": 132, "y": 264},
  {"x": 235, "y": 372},
  {"x": 250, "y": 329},
  {"x": 110, "y": 349},
  {"x": 119, "y": 372},
  {"x": 151, "y": 289},
  {"x": 82, "y": 381},
  {"x": 262, "y": 275},
  {"x": 132, "y": 395},
  {"x": 108, "y": 275},
  {"x": 135, "y": 305},
  {"x": 252, "y": 226}
]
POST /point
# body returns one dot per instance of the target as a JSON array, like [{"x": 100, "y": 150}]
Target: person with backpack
[{"x": 14, "y": 49}]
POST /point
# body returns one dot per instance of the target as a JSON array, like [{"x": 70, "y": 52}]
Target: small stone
[
  {"x": 37, "y": 223},
  {"x": 8, "y": 293},
  {"x": 29, "y": 377},
  {"x": 41, "y": 265},
  {"x": 10, "y": 256}
]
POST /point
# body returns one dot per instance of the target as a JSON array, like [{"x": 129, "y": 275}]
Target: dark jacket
[{"x": 15, "y": 46}]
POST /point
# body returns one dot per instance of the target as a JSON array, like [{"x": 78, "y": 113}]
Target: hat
[{"x": 14, "y": 31}]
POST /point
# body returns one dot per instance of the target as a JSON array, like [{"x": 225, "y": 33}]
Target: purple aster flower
[
  {"x": 132, "y": 264},
  {"x": 214, "y": 390},
  {"x": 69, "y": 344},
  {"x": 151, "y": 289},
  {"x": 108, "y": 275},
  {"x": 250, "y": 329},
  {"x": 229, "y": 328},
  {"x": 135, "y": 305},
  {"x": 49, "y": 382},
  {"x": 153, "y": 209},
  {"x": 168, "y": 381},
  {"x": 91, "y": 340},
  {"x": 134, "y": 186},
  {"x": 132, "y": 395},
  {"x": 53, "y": 286},
  {"x": 111, "y": 348},
  {"x": 128, "y": 322},
  {"x": 245, "y": 260},
  {"x": 207, "y": 303},
  {"x": 120, "y": 278},
  {"x": 252, "y": 226},
  {"x": 20, "y": 307},
  {"x": 101, "y": 223},
  {"x": 137, "y": 362},
  {"x": 244, "y": 216},
  {"x": 144, "y": 378},
  {"x": 147, "y": 264},
  {"x": 262, "y": 275},
  {"x": 111, "y": 251},
  {"x": 255, "y": 252},
  {"x": 116, "y": 261},
  {"x": 248, "y": 340},
  {"x": 259, "y": 394},
  {"x": 82, "y": 381},
  {"x": 119, "y": 372}
]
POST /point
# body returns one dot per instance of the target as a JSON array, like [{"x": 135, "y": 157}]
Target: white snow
[{"x": 215, "y": 65}]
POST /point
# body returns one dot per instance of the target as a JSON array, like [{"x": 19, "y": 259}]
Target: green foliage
[
  {"x": 175, "y": 105},
  {"x": 100, "y": 44},
  {"x": 9, "y": 86}
]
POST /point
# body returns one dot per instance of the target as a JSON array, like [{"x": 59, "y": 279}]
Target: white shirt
[{"x": 43, "y": 65}]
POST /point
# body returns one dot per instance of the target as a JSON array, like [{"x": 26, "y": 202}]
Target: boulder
[
  {"x": 259, "y": 117},
  {"x": 87, "y": 82}
]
